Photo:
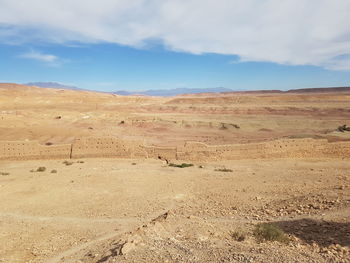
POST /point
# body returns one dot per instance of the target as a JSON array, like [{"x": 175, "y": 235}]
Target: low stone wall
[{"x": 190, "y": 151}]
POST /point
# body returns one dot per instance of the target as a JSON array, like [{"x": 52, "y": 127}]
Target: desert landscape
[{"x": 214, "y": 177}]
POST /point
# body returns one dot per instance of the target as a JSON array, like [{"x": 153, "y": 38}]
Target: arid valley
[{"x": 98, "y": 177}]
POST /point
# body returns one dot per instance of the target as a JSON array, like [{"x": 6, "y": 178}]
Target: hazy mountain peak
[
  {"x": 172, "y": 92},
  {"x": 54, "y": 85}
]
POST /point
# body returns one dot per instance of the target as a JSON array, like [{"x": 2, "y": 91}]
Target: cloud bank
[{"x": 292, "y": 32}]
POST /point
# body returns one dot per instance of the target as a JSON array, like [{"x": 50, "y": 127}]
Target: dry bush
[
  {"x": 224, "y": 170},
  {"x": 183, "y": 165},
  {"x": 41, "y": 169},
  {"x": 269, "y": 232},
  {"x": 238, "y": 235},
  {"x": 343, "y": 128},
  {"x": 67, "y": 163}
]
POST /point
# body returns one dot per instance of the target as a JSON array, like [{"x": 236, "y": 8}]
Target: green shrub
[
  {"x": 133, "y": 164},
  {"x": 41, "y": 169},
  {"x": 4, "y": 173},
  {"x": 183, "y": 165},
  {"x": 269, "y": 232},
  {"x": 67, "y": 163}
]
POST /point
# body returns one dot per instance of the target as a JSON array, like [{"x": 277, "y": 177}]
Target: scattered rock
[{"x": 127, "y": 248}]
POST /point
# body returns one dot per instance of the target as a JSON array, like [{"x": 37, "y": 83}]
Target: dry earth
[
  {"x": 98, "y": 210},
  {"x": 59, "y": 116},
  {"x": 120, "y": 210}
]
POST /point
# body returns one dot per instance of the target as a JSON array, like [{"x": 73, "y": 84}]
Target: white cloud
[
  {"x": 40, "y": 56},
  {"x": 296, "y": 32},
  {"x": 48, "y": 59}
]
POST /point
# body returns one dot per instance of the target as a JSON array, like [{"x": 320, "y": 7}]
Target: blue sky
[{"x": 166, "y": 44}]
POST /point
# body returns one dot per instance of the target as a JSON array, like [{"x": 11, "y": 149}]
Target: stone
[{"x": 127, "y": 248}]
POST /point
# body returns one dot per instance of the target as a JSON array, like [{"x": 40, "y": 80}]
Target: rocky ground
[{"x": 107, "y": 210}]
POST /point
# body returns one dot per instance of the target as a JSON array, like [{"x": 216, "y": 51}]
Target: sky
[{"x": 110, "y": 45}]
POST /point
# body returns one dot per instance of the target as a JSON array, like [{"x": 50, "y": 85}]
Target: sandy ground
[
  {"x": 112, "y": 210},
  {"x": 108, "y": 210}
]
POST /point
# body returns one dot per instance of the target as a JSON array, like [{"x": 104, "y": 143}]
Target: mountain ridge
[{"x": 187, "y": 91}]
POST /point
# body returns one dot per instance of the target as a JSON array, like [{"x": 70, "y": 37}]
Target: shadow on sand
[{"x": 324, "y": 233}]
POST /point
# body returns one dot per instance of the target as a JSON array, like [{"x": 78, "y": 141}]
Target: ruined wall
[
  {"x": 168, "y": 153},
  {"x": 107, "y": 147},
  {"x": 23, "y": 150},
  {"x": 190, "y": 151},
  {"x": 285, "y": 148}
]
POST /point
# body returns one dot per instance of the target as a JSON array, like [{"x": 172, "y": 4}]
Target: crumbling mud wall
[
  {"x": 28, "y": 150},
  {"x": 190, "y": 151},
  {"x": 285, "y": 148},
  {"x": 163, "y": 153},
  {"x": 107, "y": 147}
]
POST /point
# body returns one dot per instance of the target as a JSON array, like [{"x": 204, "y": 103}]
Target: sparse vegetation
[
  {"x": 235, "y": 126},
  {"x": 4, "y": 173},
  {"x": 343, "y": 128},
  {"x": 201, "y": 166},
  {"x": 269, "y": 232},
  {"x": 238, "y": 235},
  {"x": 67, "y": 163},
  {"x": 183, "y": 165},
  {"x": 48, "y": 143},
  {"x": 223, "y": 127},
  {"x": 41, "y": 169},
  {"x": 54, "y": 171},
  {"x": 224, "y": 170},
  {"x": 133, "y": 164},
  {"x": 80, "y": 162}
]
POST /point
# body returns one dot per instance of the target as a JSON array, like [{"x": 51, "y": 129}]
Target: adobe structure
[{"x": 112, "y": 147}]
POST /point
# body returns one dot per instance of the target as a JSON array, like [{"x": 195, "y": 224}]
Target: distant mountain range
[
  {"x": 172, "y": 92},
  {"x": 165, "y": 93},
  {"x": 180, "y": 91},
  {"x": 53, "y": 85}
]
